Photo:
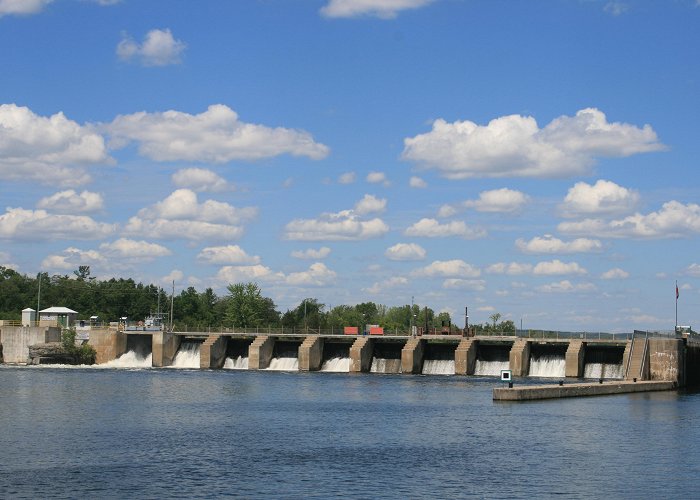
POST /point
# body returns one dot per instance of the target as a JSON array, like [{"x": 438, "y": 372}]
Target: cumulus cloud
[
  {"x": 200, "y": 180},
  {"x": 6, "y": 261},
  {"x": 113, "y": 255},
  {"x": 461, "y": 284},
  {"x": 345, "y": 225},
  {"x": 615, "y": 274},
  {"x": 377, "y": 178},
  {"x": 515, "y": 146},
  {"x": 417, "y": 182},
  {"x": 22, "y": 7},
  {"x": 70, "y": 202},
  {"x": 405, "y": 251},
  {"x": 550, "y": 244},
  {"x": 347, "y": 178},
  {"x": 383, "y": 9},
  {"x": 312, "y": 253},
  {"x": 431, "y": 228},
  {"x": 229, "y": 254},
  {"x": 50, "y": 150},
  {"x": 510, "y": 268},
  {"x": 674, "y": 220},
  {"x": 159, "y": 48},
  {"x": 448, "y": 268},
  {"x": 236, "y": 274},
  {"x": 499, "y": 200},
  {"x": 602, "y": 198},
  {"x": 447, "y": 211},
  {"x": 370, "y": 204},
  {"x": 380, "y": 286},
  {"x": 557, "y": 267},
  {"x": 566, "y": 286},
  {"x": 317, "y": 275},
  {"x": 39, "y": 225},
  {"x": 693, "y": 270},
  {"x": 214, "y": 136}
]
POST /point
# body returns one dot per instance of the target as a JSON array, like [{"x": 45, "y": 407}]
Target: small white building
[
  {"x": 62, "y": 315},
  {"x": 28, "y": 317}
]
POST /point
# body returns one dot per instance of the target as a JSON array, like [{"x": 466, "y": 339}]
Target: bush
[{"x": 84, "y": 354}]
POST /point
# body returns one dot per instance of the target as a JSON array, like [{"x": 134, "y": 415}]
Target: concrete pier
[
  {"x": 465, "y": 356},
  {"x": 412, "y": 356},
  {"x": 108, "y": 344},
  {"x": 212, "y": 352},
  {"x": 361, "y": 355},
  {"x": 260, "y": 352},
  {"x": 574, "y": 358},
  {"x": 520, "y": 358},
  {"x": 16, "y": 340},
  {"x": 534, "y": 392},
  {"x": 311, "y": 354},
  {"x": 165, "y": 346}
]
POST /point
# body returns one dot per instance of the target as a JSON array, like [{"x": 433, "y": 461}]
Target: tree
[
  {"x": 494, "y": 318},
  {"x": 246, "y": 307}
]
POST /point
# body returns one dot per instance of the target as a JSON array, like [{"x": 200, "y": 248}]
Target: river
[{"x": 157, "y": 433}]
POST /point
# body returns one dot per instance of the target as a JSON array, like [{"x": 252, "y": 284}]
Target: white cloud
[
  {"x": 38, "y": 225},
  {"x": 499, "y": 200},
  {"x": 200, "y": 180},
  {"x": 111, "y": 255},
  {"x": 182, "y": 204},
  {"x": 510, "y": 268},
  {"x": 380, "y": 286},
  {"x": 341, "y": 226},
  {"x": 377, "y": 178},
  {"x": 214, "y": 136},
  {"x": 383, "y": 9},
  {"x": 693, "y": 270},
  {"x": 6, "y": 261},
  {"x": 446, "y": 211},
  {"x": 159, "y": 48},
  {"x": 557, "y": 267},
  {"x": 131, "y": 249},
  {"x": 615, "y": 274},
  {"x": 182, "y": 229},
  {"x": 604, "y": 197},
  {"x": 71, "y": 258},
  {"x": 237, "y": 274},
  {"x": 317, "y": 275},
  {"x": 616, "y": 8},
  {"x": 22, "y": 7},
  {"x": 405, "y": 251},
  {"x": 70, "y": 202},
  {"x": 549, "y": 244},
  {"x": 417, "y": 182},
  {"x": 460, "y": 284},
  {"x": 175, "y": 276},
  {"x": 370, "y": 204},
  {"x": 347, "y": 178},
  {"x": 674, "y": 220},
  {"x": 514, "y": 146},
  {"x": 312, "y": 253},
  {"x": 229, "y": 254},
  {"x": 431, "y": 228},
  {"x": 49, "y": 150},
  {"x": 449, "y": 268},
  {"x": 566, "y": 286}
]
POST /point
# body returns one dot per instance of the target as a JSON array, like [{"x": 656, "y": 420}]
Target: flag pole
[{"x": 676, "y": 328}]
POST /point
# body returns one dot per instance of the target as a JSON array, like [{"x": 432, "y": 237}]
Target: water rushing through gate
[
  {"x": 284, "y": 364},
  {"x": 490, "y": 368},
  {"x": 187, "y": 356},
  {"x": 131, "y": 359},
  {"x": 603, "y": 370},
  {"x": 339, "y": 365},
  {"x": 548, "y": 365},
  {"x": 438, "y": 367}
]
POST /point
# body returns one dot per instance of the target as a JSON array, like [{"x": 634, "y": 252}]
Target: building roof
[
  {"x": 58, "y": 310},
  {"x": 28, "y": 309}
]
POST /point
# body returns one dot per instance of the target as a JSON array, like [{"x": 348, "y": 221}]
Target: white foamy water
[
  {"x": 130, "y": 359},
  {"x": 602, "y": 370},
  {"x": 336, "y": 365},
  {"x": 187, "y": 356},
  {"x": 439, "y": 367},
  {"x": 547, "y": 366},
  {"x": 239, "y": 363},
  {"x": 284, "y": 364},
  {"x": 382, "y": 365},
  {"x": 490, "y": 368}
]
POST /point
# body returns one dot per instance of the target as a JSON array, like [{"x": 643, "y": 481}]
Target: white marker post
[{"x": 507, "y": 376}]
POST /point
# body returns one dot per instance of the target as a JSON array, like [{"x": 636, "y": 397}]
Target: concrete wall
[
  {"x": 465, "y": 356},
  {"x": 212, "y": 352},
  {"x": 412, "y": 356},
  {"x": 108, "y": 344},
  {"x": 575, "y": 359},
  {"x": 16, "y": 340},
  {"x": 520, "y": 358},
  {"x": 165, "y": 346},
  {"x": 260, "y": 353},
  {"x": 361, "y": 355},
  {"x": 667, "y": 360},
  {"x": 311, "y": 354}
]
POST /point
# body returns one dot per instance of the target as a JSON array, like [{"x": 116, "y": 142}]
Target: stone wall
[{"x": 667, "y": 360}]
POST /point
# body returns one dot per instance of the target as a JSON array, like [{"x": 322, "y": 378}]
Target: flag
[{"x": 676, "y": 291}]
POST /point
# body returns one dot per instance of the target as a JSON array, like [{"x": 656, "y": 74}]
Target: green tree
[{"x": 246, "y": 307}]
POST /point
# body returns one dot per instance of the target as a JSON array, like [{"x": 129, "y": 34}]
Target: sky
[{"x": 533, "y": 159}]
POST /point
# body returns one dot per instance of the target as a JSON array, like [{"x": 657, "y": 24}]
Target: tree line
[{"x": 244, "y": 305}]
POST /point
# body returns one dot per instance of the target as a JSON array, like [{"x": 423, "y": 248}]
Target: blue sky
[{"x": 536, "y": 159}]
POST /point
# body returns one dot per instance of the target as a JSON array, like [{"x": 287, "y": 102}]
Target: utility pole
[
  {"x": 38, "y": 299},
  {"x": 172, "y": 304}
]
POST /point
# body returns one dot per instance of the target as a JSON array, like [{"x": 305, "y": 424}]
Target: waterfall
[
  {"x": 130, "y": 359},
  {"x": 490, "y": 368},
  {"x": 284, "y": 364},
  {"x": 384, "y": 365},
  {"x": 187, "y": 355},
  {"x": 547, "y": 365},
  {"x": 239, "y": 363},
  {"x": 603, "y": 370},
  {"x": 439, "y": 367},
  {"x": 336, "y": 365}
]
